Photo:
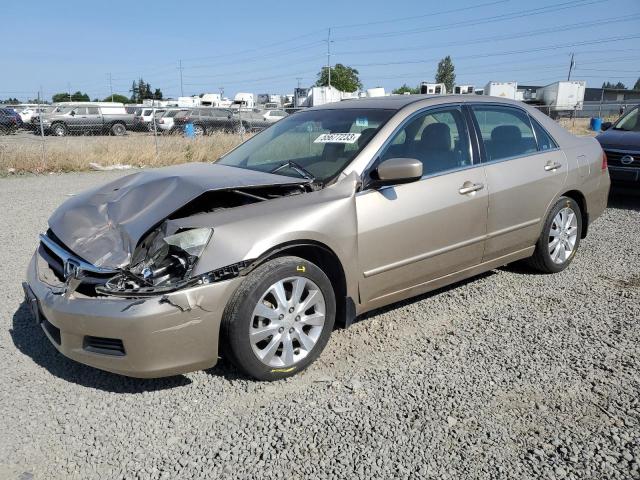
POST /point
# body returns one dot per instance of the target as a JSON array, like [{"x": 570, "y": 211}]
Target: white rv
[
  {"x": 501, "y": 89},
  {"x": 433, "y": 88}
]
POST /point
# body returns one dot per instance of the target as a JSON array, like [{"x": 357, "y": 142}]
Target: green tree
[
  {"x": 10, "y": 101},
  {"x": 344, "y": 78},
  {"x": 618, "y": 85},
  {"x": 406, "y": 89},
  {"x": 636, "y": 86},
  {"x": 157, "y": 94},
  {"x": 116, "y": 97},
  {"x": 75, "y": 97},
  {"x": 446, "y": 73}
]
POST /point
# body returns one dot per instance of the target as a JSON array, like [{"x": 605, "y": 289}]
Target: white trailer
[
  {"x": 433, "y": 88},
  {"x": 463, "y": 89},
  {"x": 562, "y": 96},
  {"x": 501, "y": 89},
  {"x": 244, "y": 100}
]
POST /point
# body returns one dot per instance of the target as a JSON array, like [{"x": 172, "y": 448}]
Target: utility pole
[
  {"x": 329, "y": 55},
  {"x": 571, "y": 65},
  {"x": 299, "y": 79},
  {"x": 180, "y": 67},
  {"x": 69, "y": 89},
  {"x": 110, "y": 87},
  {"x": 221, "y": 92}
]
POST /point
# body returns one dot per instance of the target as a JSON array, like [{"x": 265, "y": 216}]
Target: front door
[{"x": 417, "y": 232}]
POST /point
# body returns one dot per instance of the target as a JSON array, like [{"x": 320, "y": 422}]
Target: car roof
[{"x": 397, "y": 102}]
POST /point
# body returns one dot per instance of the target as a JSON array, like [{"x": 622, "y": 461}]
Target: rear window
[{"x": 146, "y": 113}]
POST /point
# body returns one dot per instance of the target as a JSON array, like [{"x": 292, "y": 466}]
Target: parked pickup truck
[{"x": 88, "y": 118}]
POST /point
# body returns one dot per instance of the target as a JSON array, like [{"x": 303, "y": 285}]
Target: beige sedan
[{"x": 329, "y": 213}]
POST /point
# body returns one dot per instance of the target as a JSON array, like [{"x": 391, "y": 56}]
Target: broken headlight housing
[{"x": 161, "y": 263}]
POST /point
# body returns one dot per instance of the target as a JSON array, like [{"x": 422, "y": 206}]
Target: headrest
[
  {"x": 506, "y": 134},
  {"x": 436, "y": 136}
]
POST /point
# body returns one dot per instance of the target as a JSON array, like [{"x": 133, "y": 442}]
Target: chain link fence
[{"x": 70, "y": 136}]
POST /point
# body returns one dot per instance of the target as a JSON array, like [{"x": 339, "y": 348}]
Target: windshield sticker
[
  {"x": 362, "y": 122},
  {"x": 337, "y": 138}
]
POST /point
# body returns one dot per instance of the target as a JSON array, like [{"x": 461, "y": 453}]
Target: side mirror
[
  {"x": 606, "y": 125},
  {"x": 395, "y": 171},
  {"x": 73, "y": 113}
]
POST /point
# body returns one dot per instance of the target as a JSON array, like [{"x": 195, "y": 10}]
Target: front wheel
[
  {"x": 279, "y": 320},
  {"x": 560, "y": 237}
]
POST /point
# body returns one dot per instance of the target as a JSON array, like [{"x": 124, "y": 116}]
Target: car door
[
  {"x": 94, "y": 119},
  {"x": 77, "y": 119},
  {"x": 414, "y": 233},
  {"x": 523, "y": 176}
]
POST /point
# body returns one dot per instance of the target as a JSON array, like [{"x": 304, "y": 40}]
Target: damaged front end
[
  {"x": 164, "y": 263},
  {"x": 132, "y": 230}
]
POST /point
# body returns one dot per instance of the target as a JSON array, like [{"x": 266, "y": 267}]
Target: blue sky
[{"x": 258, "y": 46}]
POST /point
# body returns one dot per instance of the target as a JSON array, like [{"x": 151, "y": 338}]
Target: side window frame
[
  {"x": 478, "y": 132},
  {"x": 535, "y": 123},
  {"x": 475, "y": 159}
]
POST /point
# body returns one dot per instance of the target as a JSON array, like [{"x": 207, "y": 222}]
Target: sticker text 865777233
[{"x": 337, "y": 138}]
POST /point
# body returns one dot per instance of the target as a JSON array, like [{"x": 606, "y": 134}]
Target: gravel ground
[{"x": 508, "y": 375}]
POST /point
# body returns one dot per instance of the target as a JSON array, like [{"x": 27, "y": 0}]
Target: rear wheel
[
  {"x": 560, "y": 237},
  {"x": 279, "y": 320},
  {"x": 118, "y": 129},
  {"x": 4, "y": 130},
  {"x": 59, "y": 129}
]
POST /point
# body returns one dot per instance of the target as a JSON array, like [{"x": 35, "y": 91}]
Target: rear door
[{"x": 523, "y": 176}]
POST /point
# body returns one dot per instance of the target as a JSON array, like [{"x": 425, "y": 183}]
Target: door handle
[
  {"x": 552, "y": 166},
  {"x": 469, "y": 187}
]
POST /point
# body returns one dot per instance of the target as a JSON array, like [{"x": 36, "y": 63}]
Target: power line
[
  {"x": 530, "y": 33},
  {"x": 474, "y": 22}
]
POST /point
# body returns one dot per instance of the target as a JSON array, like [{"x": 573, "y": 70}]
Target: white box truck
[
  {"x": 562, "y": 96},
  {"x": 501, "y": 89}
]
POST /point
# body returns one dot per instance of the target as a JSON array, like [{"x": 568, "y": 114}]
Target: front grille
[
  {"x": 614, "y": 158},
  {"x": 105, "y": 346}
]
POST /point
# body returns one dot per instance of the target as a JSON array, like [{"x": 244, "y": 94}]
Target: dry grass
[{"x": 72, "y": 154}]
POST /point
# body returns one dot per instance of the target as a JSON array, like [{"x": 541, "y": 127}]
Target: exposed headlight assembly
[{"x": 161, "y": 263}]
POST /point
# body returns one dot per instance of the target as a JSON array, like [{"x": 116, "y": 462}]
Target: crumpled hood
[{"x": 103, "y": 225}]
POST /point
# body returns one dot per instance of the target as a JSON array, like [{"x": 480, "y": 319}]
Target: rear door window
[
  {"x": 506, "y": 132},
  {"x": 545, "y": 142}
]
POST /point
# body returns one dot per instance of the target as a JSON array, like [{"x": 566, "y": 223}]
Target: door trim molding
[
  {"x": 434, "y": 253},
  {"x": 422, "y": 256}
]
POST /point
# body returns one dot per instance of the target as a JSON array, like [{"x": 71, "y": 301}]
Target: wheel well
[
  {"x": 582, "y": 203},
  {"x": 330, "y": 264}
]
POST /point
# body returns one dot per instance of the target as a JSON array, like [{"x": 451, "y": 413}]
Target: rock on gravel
[{"x": 508, "y": 375}]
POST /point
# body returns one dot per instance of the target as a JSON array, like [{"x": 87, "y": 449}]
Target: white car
[
  {"x": 165, "y": 120},
  {"x": 272, "y": 116},
  {"x": 143, "y": 117}
]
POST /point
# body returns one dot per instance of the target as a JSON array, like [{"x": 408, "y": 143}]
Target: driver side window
[{"x": 437, "y": 138}]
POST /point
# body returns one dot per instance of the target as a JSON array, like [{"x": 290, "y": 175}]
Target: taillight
[
  {"x": 161, "y": 121},
  {"x": 604, "y": 160}
]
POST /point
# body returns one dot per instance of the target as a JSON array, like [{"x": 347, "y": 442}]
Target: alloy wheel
[
  {"x": 287, "y": 322},
  {"x": 563, "y": 235}
]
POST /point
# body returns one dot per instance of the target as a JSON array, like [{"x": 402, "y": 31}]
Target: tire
[
  {"x": 566, "y": 215},
  {"x": 291, "y": 339},
  {"x": 4, "y": 130},
  {"x": 59, "y": 129},
  {"x": 118, "y": 129},
  {"x": 199, "y": 130}
]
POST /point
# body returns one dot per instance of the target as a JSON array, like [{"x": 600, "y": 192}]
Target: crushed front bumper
[{"x": 146, "y": 337}]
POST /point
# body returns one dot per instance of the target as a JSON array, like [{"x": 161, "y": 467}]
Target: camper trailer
[{"x": 433, "y": 88}]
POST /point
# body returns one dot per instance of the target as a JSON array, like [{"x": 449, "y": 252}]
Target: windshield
[
  {"x": 630, "y": 122},
  {"x": 320, "y": 143}
]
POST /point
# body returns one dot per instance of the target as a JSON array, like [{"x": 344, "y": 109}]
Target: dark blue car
[
  {"x": 621, "y": 142},
  {"x": 9, "y": 120}
]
